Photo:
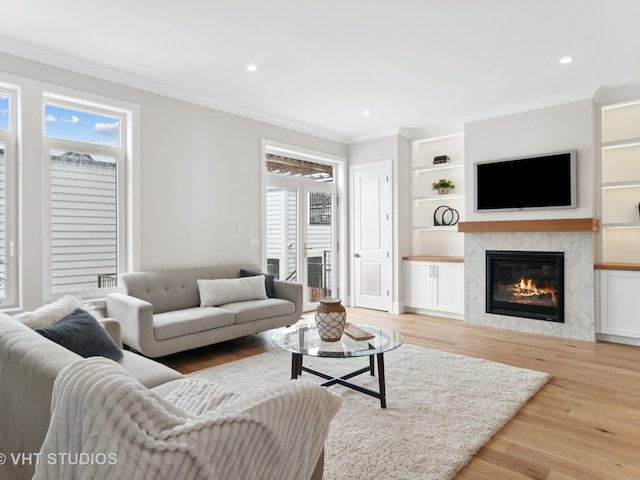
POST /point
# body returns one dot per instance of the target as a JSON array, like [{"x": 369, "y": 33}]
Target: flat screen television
[{"x": 545, "y": 181}]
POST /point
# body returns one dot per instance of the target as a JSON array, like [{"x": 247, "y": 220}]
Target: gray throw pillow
[
  {"x": 81, "y": 333},
  {"x": 268, "y": 280}
]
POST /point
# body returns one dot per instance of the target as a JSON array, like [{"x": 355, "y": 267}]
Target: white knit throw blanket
[{"x": 106, "y": 425}]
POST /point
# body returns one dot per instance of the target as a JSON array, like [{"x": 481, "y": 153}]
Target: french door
[{"x": 301, "y": 235}]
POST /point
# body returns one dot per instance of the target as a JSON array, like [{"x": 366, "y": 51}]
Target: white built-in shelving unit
[
  {"x": 620, "y": 183},
  {"x": 434, "y": 273},
  {"x": 428, "y": 238},
  {"x": 618, "y": 266}
]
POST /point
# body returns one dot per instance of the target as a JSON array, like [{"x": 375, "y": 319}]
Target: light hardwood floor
[{"x": 583, "y": 424}]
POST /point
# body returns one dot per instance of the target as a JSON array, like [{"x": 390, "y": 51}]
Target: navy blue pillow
[
  {"x": 268, "y": 280},
  {"x": 81, "y": 333}
]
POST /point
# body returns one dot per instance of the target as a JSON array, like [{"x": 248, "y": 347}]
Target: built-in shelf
[
  {"x": 550, "y": 225},
  {"x": 628, "y": 142},
  {"x": 624, "y": 184},
  {"x": 436, "y": 197},
  {"x": 437, "y": 167},
  {"x": 621, "y": 225},
  {"x": 442, "y": 228},
  {"x": 434, "y": 258},
  {"x": 632, "y": 267}
]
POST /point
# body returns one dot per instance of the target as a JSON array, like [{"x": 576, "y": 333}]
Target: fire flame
[
  {"x": 527, "y": 288},
  {"x": 528, "y": 285}
]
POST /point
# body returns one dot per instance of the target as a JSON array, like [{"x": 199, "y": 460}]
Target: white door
[{"x": 371, "y": 187}]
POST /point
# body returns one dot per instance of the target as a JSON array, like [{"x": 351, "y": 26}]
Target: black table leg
[
  {"x": 296, "y": 365},
  {"x": 381, "y": 382}
]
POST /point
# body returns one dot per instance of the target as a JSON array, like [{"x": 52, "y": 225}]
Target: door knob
[{"x": 357, "y": 255}]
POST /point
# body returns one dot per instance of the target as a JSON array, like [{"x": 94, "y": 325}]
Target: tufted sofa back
[{"x": 176, "y": 289}]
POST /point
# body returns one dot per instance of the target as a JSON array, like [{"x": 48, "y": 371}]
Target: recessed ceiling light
[
  {"x": 565, "y": 60},
  {"x": 366, "y": 112},
  {"x": 252, "y": 68}
]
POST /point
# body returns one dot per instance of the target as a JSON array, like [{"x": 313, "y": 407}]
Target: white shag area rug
[{"x": 441, "y": 409}]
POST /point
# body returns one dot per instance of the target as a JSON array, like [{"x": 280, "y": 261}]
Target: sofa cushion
[
  {"x": 228, "y": 290},
  {"x": 190, "y": 320},
  {"x": 259, "y": 309},
  {"x": 148, "y": 372},
  {"x": 268, "y": 280},
  {"x": 81, "y": 333},
  {"x": 55, "y": 311}
]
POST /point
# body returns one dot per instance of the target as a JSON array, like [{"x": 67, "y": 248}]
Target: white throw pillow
[
  {"x": 228, "y": 290},
  {"x": 56, "y": 310}
]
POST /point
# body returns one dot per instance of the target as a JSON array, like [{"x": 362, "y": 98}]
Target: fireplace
[{"x": 525, "y": 284}]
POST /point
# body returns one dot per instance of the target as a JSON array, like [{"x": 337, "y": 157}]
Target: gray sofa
[
  {"x": 161, "y": 312},
  {"x": 29, "y": 365}
]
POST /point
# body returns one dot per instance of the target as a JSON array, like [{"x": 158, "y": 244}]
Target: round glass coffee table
[{"x": 303, "y": 339}]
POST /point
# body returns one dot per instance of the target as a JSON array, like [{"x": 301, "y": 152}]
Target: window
[
  {"x": 85, "y": 154},
  {"x": 8, "y": 195},
  {"x": 319, "y": 208}
]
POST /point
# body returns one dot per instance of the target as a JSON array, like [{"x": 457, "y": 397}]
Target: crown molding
[
  {"x": 610, "y": 95},
  {"x": 75, "y": 65}
]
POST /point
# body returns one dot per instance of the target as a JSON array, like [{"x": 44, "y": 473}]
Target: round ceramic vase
[{"x": 330, "y": 319}]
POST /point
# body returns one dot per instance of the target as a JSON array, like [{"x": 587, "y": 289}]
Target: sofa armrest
[
  {"x": 289, "y": 291},
  {"x": 136, "y": 320},
  {"x": 114, "y": 330}
]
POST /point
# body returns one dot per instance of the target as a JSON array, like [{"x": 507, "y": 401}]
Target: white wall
[
  {"x": 561, "y": 127},
  {"x": 199, "y": 174}
]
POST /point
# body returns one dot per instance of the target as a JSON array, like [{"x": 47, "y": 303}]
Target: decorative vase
[
  {"x": 330, "y": 319},
  {"x": 443, "y": 190}
]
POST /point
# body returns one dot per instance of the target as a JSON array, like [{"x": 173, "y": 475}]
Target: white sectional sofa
[{"x": 168, "y": 311}]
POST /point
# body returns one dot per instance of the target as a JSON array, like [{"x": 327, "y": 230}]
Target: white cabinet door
[
  {"x": 448, "y": 287},
  {"x": 418, "y": 284},
  {"x": 620, "y": 303},
  {"x": 437, "y": 286}
]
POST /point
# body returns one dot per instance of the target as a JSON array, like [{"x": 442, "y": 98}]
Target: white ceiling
[{"x": 415, "y": 64}]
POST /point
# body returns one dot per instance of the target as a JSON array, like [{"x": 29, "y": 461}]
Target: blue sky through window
[
  {"x": 4, "y": 112},
  {"x": 81, "y": 126}
]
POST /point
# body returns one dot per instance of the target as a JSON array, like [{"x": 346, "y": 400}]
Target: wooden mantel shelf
[{"x": 551, "y": 225}]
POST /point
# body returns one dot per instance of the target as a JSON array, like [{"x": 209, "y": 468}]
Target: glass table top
[{"x": 304, "y": 339}]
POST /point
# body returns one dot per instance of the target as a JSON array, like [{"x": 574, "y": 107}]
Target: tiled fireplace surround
[{"x": 578, "y": 248}]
